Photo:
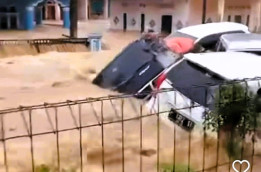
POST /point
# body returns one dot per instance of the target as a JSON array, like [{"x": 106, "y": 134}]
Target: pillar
[
  {"x": 82, "y": 9},
  {"x": 8, "y": 21},
  {"x": 255, "y": 16},
  {"x": 66, "y": 17},
  {"x": 57, "y": 12},
  {"x": 106, "y": 9},
  {"x": 204, "y": 11},
  {"x": 39, "y": 15},
  {"x": 29, "y": 18},
  {"x": 109, "y": 8},
  {"x": 73, "y": 18},
  {"x": 221, "y": 10}
]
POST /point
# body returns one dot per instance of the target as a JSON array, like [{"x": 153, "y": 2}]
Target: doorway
[
  {"x": 142, "y": 24},
  {"x": 166, "y": 23},
  {"x": 51, "y": 12},
  {"x": 13, "y": 22},
  {"x": 43, "y": 13},
  {"x": 238, "y": 18},
  {"x": 3, "y": 22},
  {"x": 125, "y": 21}
]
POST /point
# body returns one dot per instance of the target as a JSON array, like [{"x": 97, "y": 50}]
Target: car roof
[
  {"x": 203, "y": 30},
  {"x": 229, "y": 65},
  {"x": 241, "y": 42}
]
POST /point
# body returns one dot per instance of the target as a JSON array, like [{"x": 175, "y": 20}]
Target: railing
[
  {"x": 45, "y": 41},
  {"x": 113, "y": 133}
]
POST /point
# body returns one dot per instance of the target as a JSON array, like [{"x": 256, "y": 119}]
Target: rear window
[{"x": 193, "y": 81}]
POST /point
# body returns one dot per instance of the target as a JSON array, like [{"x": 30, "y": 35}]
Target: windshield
[{"x": 194, "y": 82}]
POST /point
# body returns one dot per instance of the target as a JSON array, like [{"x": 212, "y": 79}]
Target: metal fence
[
  {"x": 113, "y": 133},
  {"x": 44, "y": 41}
]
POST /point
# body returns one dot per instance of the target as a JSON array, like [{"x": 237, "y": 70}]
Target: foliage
[
  {"x": 235, "y": 115},
  {"x": 235, "y": 110},
  {"x": 178, "y": 168},
  {"x": 43, "y": 168},
  {"x": 47, "y": 168}
]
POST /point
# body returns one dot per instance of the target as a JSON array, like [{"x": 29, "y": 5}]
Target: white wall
[
  {"x": 196, "y": 11},
  {"x": 82, "y": 9},
  {"x": 255, "y": 16},
  {"x": 237, "y": 7},
  {"x": 187, "y": 11},
  {"x": 179, "y": 11}
]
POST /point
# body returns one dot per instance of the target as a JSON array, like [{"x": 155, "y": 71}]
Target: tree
[{"x": 235, "y": 115}]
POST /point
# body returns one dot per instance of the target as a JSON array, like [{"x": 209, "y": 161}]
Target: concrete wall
[
  {"x": 255, "y": 16},
  {"x": 178, "y": 9},
  {"x": 237, "y": 7},
  {"x": 187, "y": 11},
  {"x": 196, "y": 8}
]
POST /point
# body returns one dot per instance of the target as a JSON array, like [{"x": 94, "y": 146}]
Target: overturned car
[
  {"x": 141, "y": 62},
  {"x": 135, "y": 66}
]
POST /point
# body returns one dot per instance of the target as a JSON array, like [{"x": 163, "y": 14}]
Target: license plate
[{"x": 181, "y": 120}]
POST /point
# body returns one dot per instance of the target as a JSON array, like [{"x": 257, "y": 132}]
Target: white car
[
  {"x": 240, "y": 42},
  {"x": 207, "y": 35},
  {"x": 194, "y": 80}
]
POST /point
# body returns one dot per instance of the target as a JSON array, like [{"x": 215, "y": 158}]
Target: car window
[
  {"x": 209, "y": 42},
  {"x": 193, "y": 81},
  {"x": 220, "y": 47}
]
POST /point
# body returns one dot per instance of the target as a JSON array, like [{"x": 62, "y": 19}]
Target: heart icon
[{"x": 241, "y": 162}]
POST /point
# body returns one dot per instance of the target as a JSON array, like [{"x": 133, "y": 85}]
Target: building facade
[
  {"x": 134, "y": 15},
  {"x": 17, "y": 14},
  {"x": 170, "y": 15},
  {"x": 27, "y": 14}
]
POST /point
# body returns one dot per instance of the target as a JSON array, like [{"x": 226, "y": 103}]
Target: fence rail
[
  {"x": 44, "y": 41},
  {"x": 113, "y": 133}
]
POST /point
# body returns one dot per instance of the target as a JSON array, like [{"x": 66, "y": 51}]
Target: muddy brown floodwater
[{"x": 54, "y": 77}]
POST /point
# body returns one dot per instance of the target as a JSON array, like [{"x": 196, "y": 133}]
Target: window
[
  {"x": 12, "y": 10},
  {"x": 220, "y": 47},
  {"x": 3, "y": 10}
]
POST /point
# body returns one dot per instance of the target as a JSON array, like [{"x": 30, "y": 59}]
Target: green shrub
[
  {"x": 178, "y": 168},
  {"x": 235, "y": 115},
  {"x": 42, "y": 168}
]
